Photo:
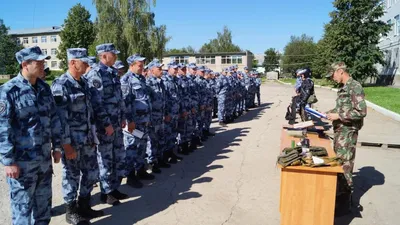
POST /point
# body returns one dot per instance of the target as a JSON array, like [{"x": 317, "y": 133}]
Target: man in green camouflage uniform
[
  {"x": 347, "y": 116},
  {"x": 347, "y": 119}
]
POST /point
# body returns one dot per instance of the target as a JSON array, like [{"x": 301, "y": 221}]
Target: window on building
[
  {"x": 44, "y": 51},
  {"x": 205, "y": 59},
  {"x": 53, "y": 51},
  {"x": 236, "y": 59},
  {"x": 53, "y": 38},
  {"x": 18, "y": 41},
  {"x": 231, "y": 59},
  {"x": 53, "y": 64},
  {"x": 34, "y": 40},
  {"x": 397, "y": 25},
  {"x": 44, "y": 39},
  {"x": 390, "y": 33},
  {"x": 25, "y": 40},
  {"x": 181, "y": 59}
]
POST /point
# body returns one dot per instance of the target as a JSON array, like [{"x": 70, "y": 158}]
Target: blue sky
[{"x": 256, "y": 24}]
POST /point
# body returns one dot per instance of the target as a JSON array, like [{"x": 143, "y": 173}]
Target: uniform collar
[{"x": 39, "y": 82}]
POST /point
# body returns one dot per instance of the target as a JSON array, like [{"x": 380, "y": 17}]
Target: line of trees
[{"x": 351, "y": 36}]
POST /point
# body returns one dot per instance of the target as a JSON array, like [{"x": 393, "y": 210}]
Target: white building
[
  {"x": 390, "y": 74},
  {"x": 215, "y": 61},
  {"x": 48, "y": 39}
]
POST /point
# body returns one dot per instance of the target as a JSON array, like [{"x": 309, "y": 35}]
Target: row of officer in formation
[{"x": 105, "y": 125}]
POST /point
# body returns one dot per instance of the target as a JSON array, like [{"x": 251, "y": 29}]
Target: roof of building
[
  {"x": 207, "y": 54},
  {"x": 43, "y": 30}
]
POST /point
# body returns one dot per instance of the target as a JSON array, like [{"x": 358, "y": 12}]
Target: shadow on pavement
[
  {"x": 364, "y": 180},
  {"x": 174, "y": 184}
]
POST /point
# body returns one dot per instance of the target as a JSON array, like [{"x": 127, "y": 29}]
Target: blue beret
[
  {"x": 133, "y": 58},
  {"x": 32, "y": 53},
  {"x": 109, "y": 47},
  {"x": 246, "y": 68}
]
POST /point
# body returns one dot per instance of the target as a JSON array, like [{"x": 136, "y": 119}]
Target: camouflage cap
[
  {"x": 78, "y": 53},
  {"x": 201, "y": 68},
  {"x": 181, "y": 65},
  {"x": 133, "y": 58},
  {"x": 92, "y": 60},
  {"x": 108, "y": 47},
  {"x": 192, "y": 66},
  {"x": 334, "y": 67},
  {"x": 32, "y": 53},
  {"x": 172, "y": 64},
  {"x": 118, "y": 65},
  {"x": 155, "y": 63}
]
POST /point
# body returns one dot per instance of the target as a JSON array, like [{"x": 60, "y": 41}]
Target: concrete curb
[{"x": 386, "y": 112}]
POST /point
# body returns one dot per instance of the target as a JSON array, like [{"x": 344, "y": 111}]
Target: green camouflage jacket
[{"x": 350, "y": 105}]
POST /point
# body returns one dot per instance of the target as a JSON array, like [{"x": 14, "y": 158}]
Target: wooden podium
[{"x": 308, "y": 194}]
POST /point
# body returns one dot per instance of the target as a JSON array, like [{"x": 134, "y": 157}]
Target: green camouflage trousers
[{"x": 345, "y": 141}]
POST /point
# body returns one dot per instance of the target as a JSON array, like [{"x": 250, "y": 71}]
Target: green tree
[
  {"x": 188, "y": 49},
  {"x": 129, "y": 24},
  {"x": 254, "y": 63},
  {"x": 352, "y": 37},
  {"x": 298, "y": 53},
  {"x": 159, "y": 41},
  {"x": 78, "y": 32},
  {"x": 223, "y": 43},
  {"x": 271, "y": 59},
  {"x": 8, "y": 48}
]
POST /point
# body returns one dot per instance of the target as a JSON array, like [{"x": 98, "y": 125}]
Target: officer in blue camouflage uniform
[
  {"x": 231, "y": 96},
  {"x": 202, "y": 100},
  {"x": 257, "y": 89},
  {"x": 119, "y": 65},
  {"x": 173, "y": 98},
  {"x": 246, "y": 78},
  {"x": 30, "y": 129},
  {"x": 222, "y": 90},
  {"x": 80, "y": 169},
  {"x": 138, "y": 112},
  {"x": 158, "y": 115},
  {"x": 185, "y": 121},
  {"x": 242, "y": 93},
  {"x": 251, "y": 91},
  {"x": 194, "y": 96},
  {"x": 109, "y": 109},
  {"x": 210, "y": 91},
  {"x": 214, "y": 77}
]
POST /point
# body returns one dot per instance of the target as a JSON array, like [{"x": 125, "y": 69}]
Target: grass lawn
[{"x": 387, "y": 97}]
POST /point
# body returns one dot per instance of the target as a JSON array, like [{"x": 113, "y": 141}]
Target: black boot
[
  {"x": 167, "y": 155},
  {"x": 193, "y": 145},
  {"x": 175, "y": 158},
  {"x": 185, "y": 148},
  {"x": 163, "y": 164},
  {"x": 119, "y": 195},
  {"x": 223, "y": 124},
  {"x": 198, "y": 141},
  {"x": 109, "y": 199},
  {"x": 204, "y": 136},
  {"x": 72, "y": 216},
  {"x": 155, "y": 168},
  {"x": 210, "y": 134},
  {"x": 142, "y": 174},
  {"x": 133, "y": 181},
  {"x": 86, "y": 210}
]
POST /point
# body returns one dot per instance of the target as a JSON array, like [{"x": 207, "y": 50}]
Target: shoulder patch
[{"x": 96, "y": 83}]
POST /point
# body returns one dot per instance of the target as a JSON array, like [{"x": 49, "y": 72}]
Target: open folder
[{"x": 315, "y": 112}]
